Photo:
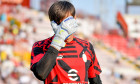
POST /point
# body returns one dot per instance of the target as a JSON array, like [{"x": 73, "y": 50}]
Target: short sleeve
[
  {"x": 36, "y": 54},
  {"x": 94, "y": 68}
]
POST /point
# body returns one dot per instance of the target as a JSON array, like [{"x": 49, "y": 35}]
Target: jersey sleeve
[
  {"x": 94, "y": 68},
  {"x": 36, "y": 54}
]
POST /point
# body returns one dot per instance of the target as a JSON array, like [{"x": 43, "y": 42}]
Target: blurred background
[{"x": 112, "y": 26}]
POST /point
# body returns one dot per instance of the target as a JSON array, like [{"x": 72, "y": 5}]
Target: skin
[{"x": 69, "y": 39}]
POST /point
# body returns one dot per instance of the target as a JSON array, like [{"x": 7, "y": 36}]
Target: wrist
[
  {"x": 58, "y": 43},
  {"x": 56, "y": 47}
]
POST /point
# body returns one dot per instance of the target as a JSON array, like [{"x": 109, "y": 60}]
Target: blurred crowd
[
  {"x": 15, "y": 46},
  {"x": 20, "y": 27},
  {"x": 125, "y": 52}
]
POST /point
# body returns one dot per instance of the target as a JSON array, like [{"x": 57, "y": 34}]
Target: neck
[{"x": 69, "y": 39}]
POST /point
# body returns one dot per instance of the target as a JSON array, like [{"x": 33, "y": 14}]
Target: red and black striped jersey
[{"x": 75, "y": 63}]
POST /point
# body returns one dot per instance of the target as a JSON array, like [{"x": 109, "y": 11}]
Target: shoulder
[
  {"x": 83, "y": 42},
  {"x": 86, "y": 44},
  {"x": 43, "y": 42}
]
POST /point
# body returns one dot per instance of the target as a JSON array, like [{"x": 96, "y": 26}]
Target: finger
[{"x": 53, "y": 24}]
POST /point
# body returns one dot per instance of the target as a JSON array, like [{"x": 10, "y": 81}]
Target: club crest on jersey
[
  {"x": 84, "y": 57},
  {"x": 59, "y": 57},
  {"x": 72, "y": 73}
]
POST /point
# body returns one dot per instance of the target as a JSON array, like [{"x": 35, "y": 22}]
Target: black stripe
[
  {"x": 83, "y": 49},
  {"x": 92, "y": 49},
  {"x": 70, "y": 56},
  {"x": 46, "y": 47},
  {"x": 93, "y": 59},
  {"x": 63, "y": 65},
  {"x": 55, "y": 79},
  {"x": 86, "y": 69},
  {"x": 31, "y": 57},
  {"x": 95, "y": 67},
  {"x": 42, "y": 42},
  {"x": 78, "y": 42},
  {"x": 89, "y": 53},
  {"x": 82, "y": 52},
  {"x": 72, "y": 51},
  {"x": 66, "y": 67},
  {"x": 68, "y": 47},
  {"x": 38, "y": 50},
  {"x": 50, "y": 40},
  {"x": 68, "y": 43},
  {"x": 98, "y": 63}
]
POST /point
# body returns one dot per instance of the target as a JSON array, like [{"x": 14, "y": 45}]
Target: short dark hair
[{"x": 59, "y": 10}]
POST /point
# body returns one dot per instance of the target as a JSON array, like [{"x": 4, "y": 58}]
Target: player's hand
[
  {"x": 69, "y": 24},
  {"x": 67, "y": 27}
]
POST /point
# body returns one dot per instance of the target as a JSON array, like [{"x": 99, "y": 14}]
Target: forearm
[
  {"x": 42, "y": 69},
  {"x": 95, "y": 80}
]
